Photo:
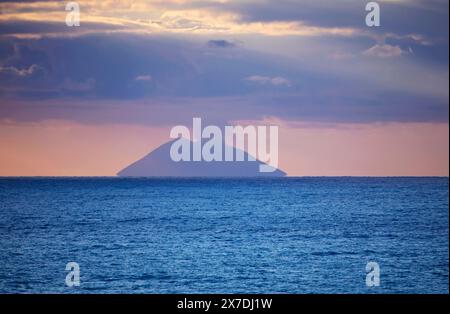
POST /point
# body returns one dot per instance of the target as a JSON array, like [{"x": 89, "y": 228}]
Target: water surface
[{"x": 285, "y": 235}]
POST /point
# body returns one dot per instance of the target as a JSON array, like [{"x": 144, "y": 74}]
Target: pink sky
[{"x": 62, "y": 148}]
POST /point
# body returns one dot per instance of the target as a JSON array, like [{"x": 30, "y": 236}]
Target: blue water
[{"x": 287, "y": 235}]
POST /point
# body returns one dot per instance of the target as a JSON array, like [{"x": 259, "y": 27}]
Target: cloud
[
  {"x": 398, "y": 17},
  {"x": 189, "y": 78},
  {"x": 110, "y": 67},
  {"x": 276, "y": 81},
  {"x": 84, "y": 86},
  {"x": 384, "y": 51},
  {"x": 143, "y": 78},
  {"x": 128, "y": 16},
  {"x": 280, "y": 81},
  {"x": 235, "y": 17},
  {"x": 220, "y": 43},
  {"x": 15, "y": 72}
]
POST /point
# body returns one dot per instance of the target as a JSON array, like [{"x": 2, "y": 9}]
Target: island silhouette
[{"x": 159, "y": 164}]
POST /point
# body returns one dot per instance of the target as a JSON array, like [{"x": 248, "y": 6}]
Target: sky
[{"x": 349, "y": 100}]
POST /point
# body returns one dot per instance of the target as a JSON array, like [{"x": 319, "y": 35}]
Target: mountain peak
[{"x": 159, "y": 164}]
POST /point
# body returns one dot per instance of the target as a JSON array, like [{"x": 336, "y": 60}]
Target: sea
[{"x": 219, "y": 235}]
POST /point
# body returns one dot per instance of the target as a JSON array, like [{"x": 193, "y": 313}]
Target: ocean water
[{"x": 286, "y": 235}]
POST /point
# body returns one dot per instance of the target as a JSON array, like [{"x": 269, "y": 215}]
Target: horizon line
[{"x": 223, "y": 177}]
